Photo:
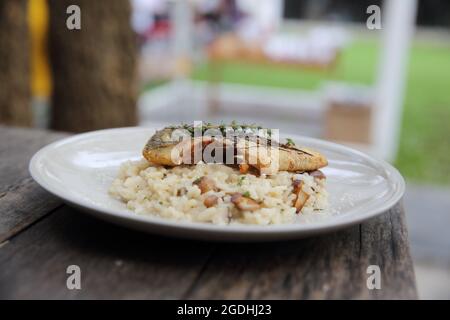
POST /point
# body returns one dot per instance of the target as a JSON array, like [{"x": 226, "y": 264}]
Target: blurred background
[{"x": 316, "y": 68}]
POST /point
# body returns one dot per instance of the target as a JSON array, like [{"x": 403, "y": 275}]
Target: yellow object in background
[{"x": 41, "y": 84}]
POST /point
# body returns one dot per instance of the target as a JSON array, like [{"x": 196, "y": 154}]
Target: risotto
[{"x": 219, "y": 194}]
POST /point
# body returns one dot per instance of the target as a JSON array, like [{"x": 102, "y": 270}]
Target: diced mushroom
[
  {"x": 302, "y": 196},
  {"x": 297, "y": 185},
  {"x": 244, "y": 203},
  {"x": 317, "y": 174},
  {"x": 210, "y": 201},
  {"x": 182, "y": 191},
  {"x": 243, "y": 168},
  {"x": 205, "y": 184}
]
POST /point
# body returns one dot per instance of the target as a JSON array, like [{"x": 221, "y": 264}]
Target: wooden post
[
  {"x": 15, "y": 91},
  {"x": 94, "y": 69}
]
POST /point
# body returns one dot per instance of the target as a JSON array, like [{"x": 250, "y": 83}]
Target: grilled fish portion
[
  {"x": 273, "y": 157},
  {"x": 167, "y": 148}
]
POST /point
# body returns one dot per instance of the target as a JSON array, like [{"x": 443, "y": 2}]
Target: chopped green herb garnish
[
  {"x": 246, "y": 194},
  {"x": 241, "y": 180},
  {"x": 224, "y": 128},
  {"x": 290, "y": 142},
  {"x": 197, "y": 181}
]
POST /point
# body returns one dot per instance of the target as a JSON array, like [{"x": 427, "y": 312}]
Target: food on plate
[
  {"x": 246, "y": 190},
  {"x": 217, "y": 193},
  {"x": 165, "y": 148}
]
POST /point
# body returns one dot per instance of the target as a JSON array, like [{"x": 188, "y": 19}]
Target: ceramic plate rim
[{"x": 317, "y": 227}]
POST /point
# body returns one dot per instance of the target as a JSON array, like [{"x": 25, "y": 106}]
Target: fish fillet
[{"x": 164, "y": 149}]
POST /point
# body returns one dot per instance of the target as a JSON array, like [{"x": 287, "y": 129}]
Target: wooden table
[{"x": 40, "y": 237}]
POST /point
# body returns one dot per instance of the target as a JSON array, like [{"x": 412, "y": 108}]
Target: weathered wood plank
[
  {"x": 332, "y": 266},
  {"x": 117, "y": 263},
  {"x": 22, "y": 201},
  {"x": 384, "y": 242}
]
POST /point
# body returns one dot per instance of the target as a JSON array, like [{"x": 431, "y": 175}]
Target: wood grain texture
[
  {"x": 22, "y": 201},
  {"x": 331, "y": 266},
  {"x": 117, "y": 263}
]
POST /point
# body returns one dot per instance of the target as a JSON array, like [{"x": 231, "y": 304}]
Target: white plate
[{"x": 79, "y": 170}]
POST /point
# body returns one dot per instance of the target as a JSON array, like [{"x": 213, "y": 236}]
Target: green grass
[
  {"x": 356, "y": 65},
  {"x": 425, "y": 139},
  {"x": 424, "y": 153}
]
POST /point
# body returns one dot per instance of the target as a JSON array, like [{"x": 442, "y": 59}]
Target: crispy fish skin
[
  {"x": 293, "y": 159},
  {"x": 271, "y": 159},
  {"x": 162, "y": 149},
  {"x": 158, "y": 149},
  {"x": 160, "y": 155}
]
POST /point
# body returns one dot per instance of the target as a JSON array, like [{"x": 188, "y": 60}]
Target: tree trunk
[
  {"x": 94, "y": 69},
  {"x": 15, "y": 93}
]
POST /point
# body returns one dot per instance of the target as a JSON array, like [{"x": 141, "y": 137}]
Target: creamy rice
[{"x": 170, "y": 193}]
